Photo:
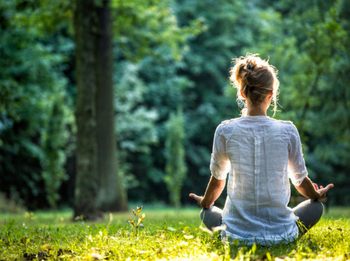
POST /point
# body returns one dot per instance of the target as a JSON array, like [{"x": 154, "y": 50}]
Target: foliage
[
  {"x": 44, "y": 17},
  {"x": 134, "y": 121},
  {"x": 175, "y": 168},
  {"x": 142, "y": 26},
  {"x": 325, "y": 113},
  {"x": 168, "y": 234},
  {"x": 170, "y": 54},
  {"x": 149, "y": 47},
  {"x": 54, "y": 140},
  {"x": 33, "y": 113}
]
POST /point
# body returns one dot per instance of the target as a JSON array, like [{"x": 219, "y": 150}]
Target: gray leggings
[{"x": 308, "y": 211}]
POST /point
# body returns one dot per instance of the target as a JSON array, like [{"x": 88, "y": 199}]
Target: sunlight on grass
[{"x": 167, "y": 234}]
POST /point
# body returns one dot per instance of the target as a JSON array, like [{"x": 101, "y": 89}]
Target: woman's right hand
[{"x": 312, "y": 191}]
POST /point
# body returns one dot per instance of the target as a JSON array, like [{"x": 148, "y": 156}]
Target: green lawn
[{"x": 167, "y": 234}]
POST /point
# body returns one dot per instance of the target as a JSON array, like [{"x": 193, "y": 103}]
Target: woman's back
[{"x": 258, "y": 150}]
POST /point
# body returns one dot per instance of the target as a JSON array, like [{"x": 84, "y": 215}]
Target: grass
[{"x": 168, "y": 234}]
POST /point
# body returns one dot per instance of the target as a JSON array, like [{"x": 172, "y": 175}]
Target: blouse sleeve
[
  {"x": 296, "y": 165},
  {"x": 220, "y": 163}
]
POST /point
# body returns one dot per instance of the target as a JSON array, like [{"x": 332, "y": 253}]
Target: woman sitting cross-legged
[{"x": 260, "y": 154}]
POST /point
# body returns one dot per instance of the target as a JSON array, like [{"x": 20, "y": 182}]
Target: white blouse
[{"x": 260, "y": 154}]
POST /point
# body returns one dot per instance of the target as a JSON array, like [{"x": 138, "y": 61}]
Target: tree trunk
[
  {"x": 86, "y": 188},
  {"x": 97, "y": 184},
  {"x": 112, "y": 196}
]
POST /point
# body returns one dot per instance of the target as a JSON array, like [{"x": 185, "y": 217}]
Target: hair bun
[{"x": 254, "y": 79}]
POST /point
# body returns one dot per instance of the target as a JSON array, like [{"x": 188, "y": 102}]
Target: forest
[{"x": 168, "y": 63}]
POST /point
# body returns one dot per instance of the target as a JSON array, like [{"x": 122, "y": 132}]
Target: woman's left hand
[{"x": 213, "y": 191}]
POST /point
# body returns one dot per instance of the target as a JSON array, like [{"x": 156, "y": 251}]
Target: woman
[{"x": 260, "y": 154}]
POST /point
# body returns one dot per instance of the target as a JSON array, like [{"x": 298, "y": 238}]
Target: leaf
[
  {"x": 131, "y": 222},
  {"x": 25, "y": 240},
  {"x": 140, "y": 219},
  {"x": 171, "y": 228},
  {"x": 253, "y": 249},
  {"x": 183, "y": 244},
  {"x": 204, "y": 229},
  {"x": 163, "y": 235},
  {"x": 45, "y": 247},
  {"x": 268, "y": 256},
  {"x": 10, "y": 225},
  {"x": 219, "y": 228}
]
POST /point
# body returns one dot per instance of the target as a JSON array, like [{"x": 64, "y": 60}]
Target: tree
[
  {"x": 175, "y": 157},
  {"x": 97, "y": 184},
  {"x": 112, "y": 196}
]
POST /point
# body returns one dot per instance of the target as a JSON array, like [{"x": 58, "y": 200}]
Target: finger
[
  {"x": 328, "y": 187},
  {"x": 321, "y": 187},
  {"x": 323, "y": 191},
  {"x": 316, "y": 186}
]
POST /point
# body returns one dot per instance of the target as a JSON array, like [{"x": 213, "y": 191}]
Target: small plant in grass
[
  {"x": 138, "y": 221},
  {"x": 29, "y": 216}
]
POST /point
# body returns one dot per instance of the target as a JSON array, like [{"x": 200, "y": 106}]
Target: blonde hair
[{"x": 256, "y": 78}]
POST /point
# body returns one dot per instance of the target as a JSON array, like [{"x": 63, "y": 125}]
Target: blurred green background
[{"x": 171, "y": 62}]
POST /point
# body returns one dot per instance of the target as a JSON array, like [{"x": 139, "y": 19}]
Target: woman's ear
[
  {"x": 270, "y": 94},
  {"x": 242, "y": 94}
]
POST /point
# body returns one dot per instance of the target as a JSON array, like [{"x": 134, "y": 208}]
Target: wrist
[
  {"x": 316, "y": 196},
  {"x": 205, "y": 204}
]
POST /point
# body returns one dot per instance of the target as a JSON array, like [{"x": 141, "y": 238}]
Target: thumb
[
  {"x": 192, "y": 195},
  {"x": 196, "y": 197}
]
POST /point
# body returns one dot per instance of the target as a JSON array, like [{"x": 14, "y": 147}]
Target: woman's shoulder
[
  {"x": 225, "y": 127},
  {"x": 287, "y": 125},
  {"x": 283, "y": 122},
  {"x": 227, "y": 122}
]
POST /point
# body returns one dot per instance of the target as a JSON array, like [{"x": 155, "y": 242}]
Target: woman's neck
[{"x": 256, "y": 111}]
